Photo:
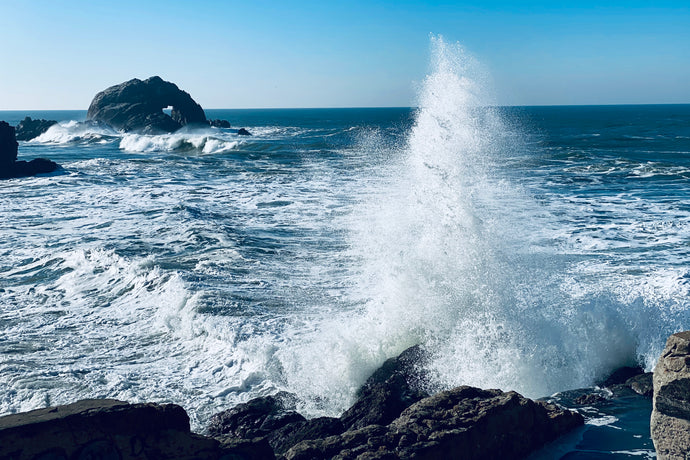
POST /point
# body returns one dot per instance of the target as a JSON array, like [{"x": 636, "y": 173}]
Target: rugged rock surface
[
  {"x": 670, "y": 423},
  {"x": 137, "y": 106},
  {"x": 394, "y": 418},
  {"x": 103, "y": 429},
  {"x": 391, "y": 389},
  {"x": 8, "y": 146},
  {"x": 28, "y": 129},
  {"x": 256, "y": 418},
  {"x": 9, "y": 166},
  {"x": 465, "y": 422},
  {"x": 219, "y": 123}
]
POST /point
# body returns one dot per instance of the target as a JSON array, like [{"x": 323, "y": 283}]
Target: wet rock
[
  {"x": 137, "y": 105},
  {"x": 642, "y": 384},
  {"x": 256, "y": 418},
  {"x": 589, "y": 399},
  {"x": 621, "y": 375},
  {"x": 9, "y": 166},
  {"x": 28, "y": 129},
  {"x": 670, "y": 423},
  {"x": 465, "y": 422},
  {"x": 243, "y": 132},
  {"x": 219, "y": 123},
  {"x": 105, "y": 429},
  {"x": 8, "y": 146},
  {"x": 245, "y": 449},
  {"x": 289, "y": 435},
  {"x": 391, "y": 389}
]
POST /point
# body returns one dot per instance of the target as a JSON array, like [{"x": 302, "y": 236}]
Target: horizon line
[{"x": 381, "y": 107}]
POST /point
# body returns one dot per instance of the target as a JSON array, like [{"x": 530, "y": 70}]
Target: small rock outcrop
[
  {"x": 670, "y": 423},
  {"x": 28, "y": 129},
  {"x": 137, "y": 106},
  {"x": 391, "y": 389},
  {"x": 9, "y": 166},
  {"x": 219, "y": 123},
  {"x": 243, "y": 132}
]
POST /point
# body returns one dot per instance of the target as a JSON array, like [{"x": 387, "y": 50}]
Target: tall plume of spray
[{"x": 455, "y": 258}]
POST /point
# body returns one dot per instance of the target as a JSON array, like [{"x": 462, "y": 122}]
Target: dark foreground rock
[
  {"x": 393, "y": 418},
  {"x": 9, "y": 166},
  {"x": 465, "y": 422},
  {"x": 102, "y": 429},
  {"x": 137, "y": 106},
  {"x": 243, "y": 132},
  {"x": 392, "y": 388},
  {"x": 28, "y": 129},
  {"x": 110, "y": 429},
  {"x": 670, "y": 423},
  {"x": 8, "y": 146}
]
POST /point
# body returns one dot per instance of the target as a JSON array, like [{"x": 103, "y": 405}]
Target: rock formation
[
  {"x": 28, "y": 129},
  {"x": 670, "y": 423},
  {"x": 218, "y": 123},
  {"x": 8, "y": 146},
  {"x": 465, "y": 422},
  {"x": 391, "y": 419},
  {"x": 137, "y": 106},
  {"x": 9, "y": 166},
  {"x": 243, "y": 132}
]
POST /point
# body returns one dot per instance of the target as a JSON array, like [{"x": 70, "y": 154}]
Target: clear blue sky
[{"x": 231, "y": 54}]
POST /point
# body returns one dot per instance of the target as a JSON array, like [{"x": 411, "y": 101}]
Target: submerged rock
[
  {"x": 28, "y": 129},
  {"x": 9, "y": 166},
  {"x": 670, "y": 423},
  {"x": 243, "y": 132},
  {"x": 137, "y": 105}
]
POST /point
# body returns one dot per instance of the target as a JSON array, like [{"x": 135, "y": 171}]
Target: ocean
[{"x": 534, "y": 249}]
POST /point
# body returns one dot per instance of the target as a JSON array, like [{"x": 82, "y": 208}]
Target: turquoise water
[{"x": 531, "y": 248}]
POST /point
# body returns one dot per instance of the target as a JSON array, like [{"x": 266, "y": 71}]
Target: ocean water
[{"x": 527, "y": 248}]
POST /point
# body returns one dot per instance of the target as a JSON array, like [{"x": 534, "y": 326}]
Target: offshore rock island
[{"x": 137, "y": 106}]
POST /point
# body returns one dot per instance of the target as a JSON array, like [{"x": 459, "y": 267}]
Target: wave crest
[{"x": 187, "y": 141}]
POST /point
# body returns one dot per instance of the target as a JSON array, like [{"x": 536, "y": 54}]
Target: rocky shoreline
[{"x": 392, "y": 418}]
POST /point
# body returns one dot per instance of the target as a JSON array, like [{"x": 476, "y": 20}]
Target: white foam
[
  {"x": 74, "y": 131},
  {"x": 180, "y": 141}
]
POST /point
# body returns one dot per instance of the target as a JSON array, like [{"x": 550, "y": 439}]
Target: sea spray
[{"x": 457, "y": 257}]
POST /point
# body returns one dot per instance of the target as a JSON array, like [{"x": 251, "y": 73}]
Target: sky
[{"x": 262, "y": 54}]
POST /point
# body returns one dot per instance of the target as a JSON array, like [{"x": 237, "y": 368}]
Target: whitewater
[{"x": 529, "y": 249}]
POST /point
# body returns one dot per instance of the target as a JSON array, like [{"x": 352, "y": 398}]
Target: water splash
[{"x": 454, "y": 256}]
